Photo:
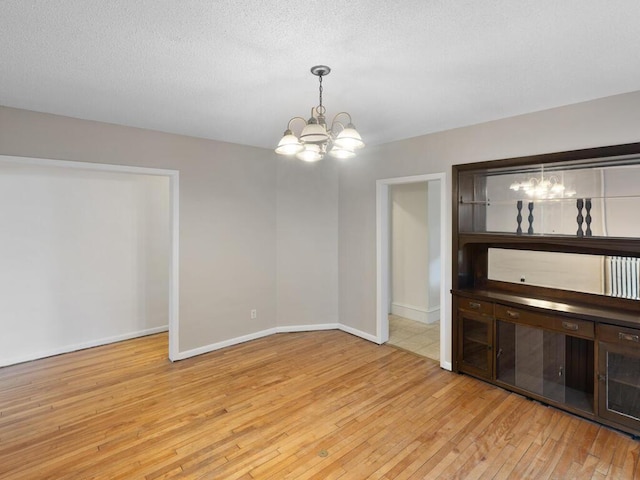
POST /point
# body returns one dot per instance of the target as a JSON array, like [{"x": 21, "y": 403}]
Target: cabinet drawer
[
  {"x": 477, "y": 306},
  {"x": 628, "y": 337},
  {"x": 569, "y": 326}
]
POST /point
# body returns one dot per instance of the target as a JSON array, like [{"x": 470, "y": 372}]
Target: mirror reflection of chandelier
[
  {"x": 315, "y": 139},
  {"x": 550, "y": 187}
]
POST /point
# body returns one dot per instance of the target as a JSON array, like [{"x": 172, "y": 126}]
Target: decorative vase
[
  {"x": 587, "y": 217},
  {"x": 519, "y": 217},
  {"x": 580, "y": 218}
]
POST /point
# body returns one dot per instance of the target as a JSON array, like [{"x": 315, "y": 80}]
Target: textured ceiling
[{"x": 237, "y": 70}]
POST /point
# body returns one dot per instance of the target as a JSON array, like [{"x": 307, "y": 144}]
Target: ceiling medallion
[{"x": 315, "y": 139}]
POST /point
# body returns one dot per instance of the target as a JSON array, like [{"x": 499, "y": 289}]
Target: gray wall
[
  {"x": 257, "y": 232},
  {"x": 607, "y": 121},
  {"x": 307, "y": 232},
  {"x": 227, "y": 213}
]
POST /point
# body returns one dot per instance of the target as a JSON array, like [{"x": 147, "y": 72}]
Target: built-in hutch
[{"x": 546, "y": 279}]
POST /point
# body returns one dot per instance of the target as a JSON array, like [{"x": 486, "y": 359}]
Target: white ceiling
[{"x": 237, "y": 70}]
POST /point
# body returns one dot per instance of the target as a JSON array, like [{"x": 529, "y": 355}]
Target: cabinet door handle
[
  {"x": 628, "y": 337},
  {"x": 512, "y": 314},
  {"x": 474, "y": 305},
  {"x": 570, "y": 326}
]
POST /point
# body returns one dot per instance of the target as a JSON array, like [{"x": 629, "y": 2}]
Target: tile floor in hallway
[{"x": 417, "y": 337}]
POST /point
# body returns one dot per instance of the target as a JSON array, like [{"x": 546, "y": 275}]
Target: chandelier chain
[{"x": 320, "y": 77}]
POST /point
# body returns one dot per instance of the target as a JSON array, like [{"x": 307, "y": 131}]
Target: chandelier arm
[
  {"x": 334, "y": 133},
  {"x": 296, "y": 118},
  {"x": 335, "y": 120}
]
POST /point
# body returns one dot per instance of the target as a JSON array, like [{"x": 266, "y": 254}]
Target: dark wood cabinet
[
  {"x": 476, "y": 343},
  {"x": 561, "y": 322},
  {"x": 552, "y": 366},
  {"x": 619, "y": 375},
  {"x": 475, "y": 336}
]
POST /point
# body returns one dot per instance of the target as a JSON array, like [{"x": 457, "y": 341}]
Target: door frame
[
  {"x": 383, "y": 235},
  {"x": 174, "y": 211}
]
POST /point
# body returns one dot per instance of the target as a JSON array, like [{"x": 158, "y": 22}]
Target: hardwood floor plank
[{"x": 311, "y": 405}]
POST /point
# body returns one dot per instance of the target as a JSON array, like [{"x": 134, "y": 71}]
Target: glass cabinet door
[
  {"x": 476, "y": 343},
  {"x": 619, "y": 376},
  {"x": 548, "y": 364}
]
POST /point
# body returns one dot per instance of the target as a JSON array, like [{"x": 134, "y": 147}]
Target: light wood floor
[{"x": 321, "y": 405}]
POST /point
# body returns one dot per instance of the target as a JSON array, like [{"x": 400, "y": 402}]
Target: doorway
[
  {"x": 91, "y": 255},
  {"x": 419, "y": 310}
]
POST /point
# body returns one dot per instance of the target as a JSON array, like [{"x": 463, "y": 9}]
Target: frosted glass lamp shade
[
  {"x": 349, "y": 138},
  {"x": 289, "y": 144},
  {"x": 342, "y": 153},
  {"x": 314, "y": 133},
  {"x": 311, "y": 153}
]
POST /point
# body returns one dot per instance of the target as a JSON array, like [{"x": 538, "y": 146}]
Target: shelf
[
  {"x": 525, "y": 200},
  {"x": 476, "y": 359},
  {"x": 476, "y": 337},
  {"x": 624, "y": 400},
  {"x": 579, "y": 399},
  {"x": 627, "y": 382},
  {"x": 613, "y": 244}
]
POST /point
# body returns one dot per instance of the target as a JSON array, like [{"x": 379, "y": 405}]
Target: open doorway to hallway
[
  {"x": 414, "y": 336},
  {"x": 420, "y": 321},
  {"x": 414, "y": 267}
]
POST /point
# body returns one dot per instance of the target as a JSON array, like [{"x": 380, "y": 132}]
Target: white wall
[
  {"x": 607, "y": 121},
  {"x": 409, "y": 251},
  {"x": 434, "y": 249},
  {"x": 85, "y": 258}
]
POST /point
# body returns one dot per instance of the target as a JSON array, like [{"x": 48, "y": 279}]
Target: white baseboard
[
  {"x": 417, "y": 314},
  {"x": 329, "y": 326},
  {"x": 223, "y": 344},
  {"x": 81, "y": 346},
  {"x": 433, "y": 315},
  {"x": 307, "y": 328},
  {"x": 360, "y": 333},
  {"x": 271, "y": 331},
  {"x": 203, "y": 349}
]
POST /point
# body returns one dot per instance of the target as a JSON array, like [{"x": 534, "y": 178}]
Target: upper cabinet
[
  {"x": 555, "y": 226},
  {"x": 590, "y": 197}
]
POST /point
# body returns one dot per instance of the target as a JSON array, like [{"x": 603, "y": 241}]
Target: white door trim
[
  {"x": 174, "y": 177},
  {"x": 382, "y": 260}
]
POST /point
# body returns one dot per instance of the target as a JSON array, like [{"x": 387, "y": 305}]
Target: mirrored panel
[
  {"x": 598, "y": 199},
  {"x": 615, "y": 276}
]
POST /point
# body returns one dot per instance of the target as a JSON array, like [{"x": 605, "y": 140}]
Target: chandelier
[
  {"x": 549, "y": 187},
  {"x": 341, "y": 140}
]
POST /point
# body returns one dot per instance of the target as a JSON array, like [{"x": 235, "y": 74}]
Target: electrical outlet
[{"x": 254, "y": 314}]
